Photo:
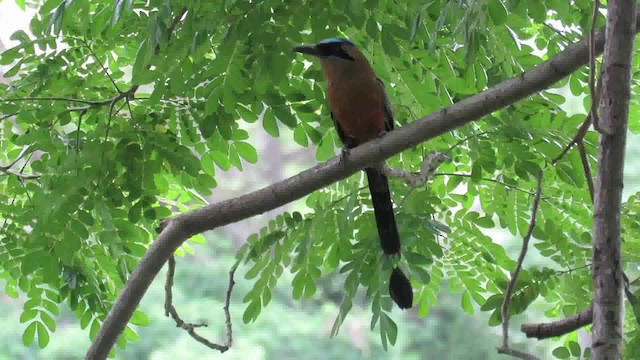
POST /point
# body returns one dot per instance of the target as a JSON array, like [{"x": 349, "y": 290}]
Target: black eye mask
[{"x": 334, "y": 49}]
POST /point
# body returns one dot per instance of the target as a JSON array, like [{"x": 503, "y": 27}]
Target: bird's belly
[{"x": 360, "y": 116}]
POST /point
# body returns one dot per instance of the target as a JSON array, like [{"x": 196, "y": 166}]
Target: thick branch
[
  {"x": 607, "y": 272},
  {"x": 176, "y": 230},
  {"x": 560, "y": 327}
]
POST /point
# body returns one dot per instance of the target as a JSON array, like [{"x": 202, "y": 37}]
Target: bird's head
[{"x": 332, "y": 49}]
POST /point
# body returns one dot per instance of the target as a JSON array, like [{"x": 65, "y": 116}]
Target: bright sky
[{"x": 12, "y": 18}]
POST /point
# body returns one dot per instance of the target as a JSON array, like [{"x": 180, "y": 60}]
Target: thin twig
[
  {"x": 570, "y": 270},
  {"x": 557, "y": 32},
  {"x": 15, "y": 196},
  {"x": 582, "y": 131},
  {"x": 78, "y": 130},
  {"x": 170, "y": 310},
  {"x": 429, "y": 165},
  {"x": 106, "y": 136},
  {"x": 587, "y": 168},
  {"x": 94, "y": 103},
  {"x": 20, "y": 175},
  {"x": 513, "y": 187},
  {"x": 168, "y": 285},
  {"x": 176, "y": 21},
  {"x": 227, "y": 301},
  {"x": 506, "y": 303},
  {"x": 18, "y": 158},
  {"x": 5, "y": 117},
  {"x": 517, "y": 354},
  {"x": 584, "y": 128},
  {"x": 172, "y": 27},
  {"x": 463, "y": 140},
  {"x": 104, "y": 68},
  {"x": 91, "y": 104}
]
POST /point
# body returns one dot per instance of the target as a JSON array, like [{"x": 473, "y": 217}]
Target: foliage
[
  {"x": 199, "y": 295},
  {"x": 121, "y": 120}
]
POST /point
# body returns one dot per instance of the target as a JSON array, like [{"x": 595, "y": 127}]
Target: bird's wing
[
  {"x": 347, "y": 141},
  {"x": 388, "y": 112}
]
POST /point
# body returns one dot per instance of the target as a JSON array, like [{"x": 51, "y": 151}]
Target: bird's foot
[
  {"x": 344, "y": 155},
  {"x": 382, "y": 133}
]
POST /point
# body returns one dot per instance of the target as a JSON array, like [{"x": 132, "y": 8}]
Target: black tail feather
[
  {"x": 399, "y": 286},
  {"x": 400, "y": 289},
  {"x": 383, "y": 210}
]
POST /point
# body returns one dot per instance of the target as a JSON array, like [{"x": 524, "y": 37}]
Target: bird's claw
[{"x": 344, "y": 155}]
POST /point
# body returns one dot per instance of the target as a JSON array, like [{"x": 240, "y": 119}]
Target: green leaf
[
  {"x": 246, "y": 114},
  {"x": 29, "y": 334},
  {"x": 493, "y": 302},
  {"x": 130, "y": 335},
  {"x": 140, "y": 318},
  {"x": 423, "y": 275},
  {"x": 537, "y": 11},
  {"x": 466, "y": 303},
  {"x": 55, "y": 21},
  {"x": 389, "y": 44},
  {"x": 326, "y": 149},
  {"x": 269, "y": 123},
  {"x": 390, "y": 328},
  {"x": 574, "y": 347},
  {"x": 252, "y": 311},
  {"x": 417, "y": 259},
  {"x": 300, "y": 136},
  {"x": 28, "y": 315},
  {"x": 43, "y": 335},
  {"x": 10, "y": 55},
  {"x": 561, "y": 353},
  {"x": 497, "y": 12},
  {"x": 48, "y": 321},
  {"x": 117, "y": 11},
  {"x": 246, "y": 151},
  {"x": 86, "y": 319},
  {"x": 95, "y": 327}
]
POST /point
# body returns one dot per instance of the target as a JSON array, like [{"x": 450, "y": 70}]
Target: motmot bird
[{"x": 361, "y": 112}]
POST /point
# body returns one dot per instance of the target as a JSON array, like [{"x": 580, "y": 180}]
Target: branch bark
[
  {"x": 560, "y": 327},
  {"x": 176, "y": 230},
  {"x": 607, "y": 270}
]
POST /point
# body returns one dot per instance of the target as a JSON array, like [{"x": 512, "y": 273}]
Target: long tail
[{"x": 399, "y": 286}]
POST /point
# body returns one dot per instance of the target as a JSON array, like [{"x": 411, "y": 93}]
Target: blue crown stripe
[{"x": 336, "y": 40}]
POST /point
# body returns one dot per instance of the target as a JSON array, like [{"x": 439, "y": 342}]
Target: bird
[{"x": 361, "y": 112}]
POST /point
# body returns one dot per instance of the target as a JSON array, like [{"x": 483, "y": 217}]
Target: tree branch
[
  {"x": 506, "y": 302},
  {"x": 513, "y": 187},
  {"x": 560, "y": 327},
  {"x": 176, "y": 230},
  {"x": 586, "y": 168},
  {"x": 517, "y": 354},
  {"x": 582, "y": 130},
  {"x": 608, "y": 306},
  {"x": 18, "y": 158},
  {"x": 170, "y": 310},
  {"x": 595, "y": 98},
  {"x": 429, "y": 165}
]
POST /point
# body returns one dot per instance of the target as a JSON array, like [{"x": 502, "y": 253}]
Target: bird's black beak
[{"x": 307, "y": 49}]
